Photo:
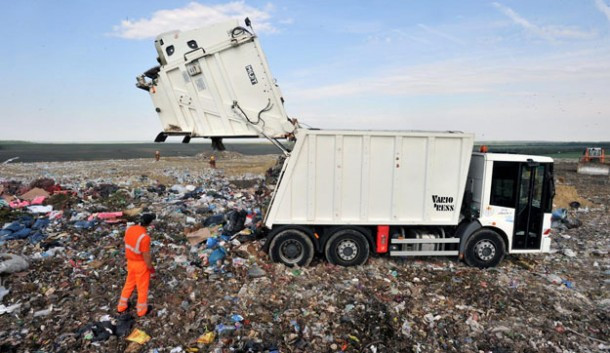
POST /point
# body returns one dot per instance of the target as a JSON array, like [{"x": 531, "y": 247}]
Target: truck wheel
[
  {"x": 291, "y": 247},
  {"x": 484, "y": 249},
  {"x": 347, "y": 247}
]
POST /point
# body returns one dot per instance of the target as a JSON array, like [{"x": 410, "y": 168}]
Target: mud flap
[{"x": 464, "y": 231}]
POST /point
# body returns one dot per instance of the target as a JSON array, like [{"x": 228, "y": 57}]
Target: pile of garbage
[
  {"x": 62, "y": 269},
  {"x": 563, "y": 220}
]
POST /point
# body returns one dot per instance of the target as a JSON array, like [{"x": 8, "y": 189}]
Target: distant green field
[
  {"x": 571, "y": 155},
  {"x": 48, "y": 152},
  {"x": 53, "y": 152}
]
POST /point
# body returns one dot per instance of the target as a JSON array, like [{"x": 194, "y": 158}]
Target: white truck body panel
[
  {"x": 373, "y": 177},
  {"x": 204, "y": 72}
]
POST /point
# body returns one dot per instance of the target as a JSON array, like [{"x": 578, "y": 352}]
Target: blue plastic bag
[
  {"x": 41, "y": 223},
  {"x": 211, "y": 242},
  {"x": 37, "y": 238},
  {"x": 217, "y": 255},
  {"x": 559, "y": 214}
]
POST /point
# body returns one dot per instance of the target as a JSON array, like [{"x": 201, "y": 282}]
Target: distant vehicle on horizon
[{"x": 593, "y": 162}]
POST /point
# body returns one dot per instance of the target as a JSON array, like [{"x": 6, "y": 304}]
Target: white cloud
[
  {"x": 469, "y": 75},
  {"x": 558, "y": 96},
  {"x": 286, "y": 21},
  {"x": 603, "y": 7},
  {"x": 440, "y": 34},
  {"x": 550, "y": 33},
  {"x": 194, "y": 15}
]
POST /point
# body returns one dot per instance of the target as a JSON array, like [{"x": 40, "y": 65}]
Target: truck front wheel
[
  {"x": 347, "y": 247},
  {"x": 291, "y": 247},
  {"x": 484, "y": 249}
]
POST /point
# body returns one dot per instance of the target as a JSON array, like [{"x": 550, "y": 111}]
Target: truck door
[{"x": 532, "y": 202}]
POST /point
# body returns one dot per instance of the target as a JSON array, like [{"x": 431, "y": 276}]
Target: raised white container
[{"x": 213, "y": 80}]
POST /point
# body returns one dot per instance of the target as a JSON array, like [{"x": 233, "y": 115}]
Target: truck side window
[
  {"x": 538, "y": 185},
  {"x": 504, "y": 184}
]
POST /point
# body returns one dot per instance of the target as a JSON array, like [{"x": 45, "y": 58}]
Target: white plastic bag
[{"x": 10, "y": 263}]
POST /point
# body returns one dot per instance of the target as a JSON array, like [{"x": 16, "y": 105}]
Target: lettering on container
[
  {"x": 200, "y": 84},
  {"x": 251, "y": 75},
  {"x": 443, "y": 203}
]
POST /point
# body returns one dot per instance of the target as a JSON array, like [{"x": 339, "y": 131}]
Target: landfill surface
[{"x": 62, "y": 268}]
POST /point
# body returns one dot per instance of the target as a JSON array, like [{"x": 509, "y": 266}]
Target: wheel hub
[
  {"x": 485, "y": 250},
  {"x": 347, "y": 250},
  {"x": 291, "y": 251}
]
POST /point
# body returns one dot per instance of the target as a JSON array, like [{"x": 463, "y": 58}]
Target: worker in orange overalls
[
  {"x": 139, "y": 264},
  {"x": 213, "y": 162}
]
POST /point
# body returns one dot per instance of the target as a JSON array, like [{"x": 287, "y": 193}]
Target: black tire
[
  {"x": 291, "y": 247},
  {"x": 485, "y": 248},
  {"x": 347, "y": 247}
]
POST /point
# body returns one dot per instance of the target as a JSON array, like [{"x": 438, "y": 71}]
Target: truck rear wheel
[
  {"x": 291, "y": 247},
  {"x": 484, "y": 249},
  {"x": 347, "y": 247}
]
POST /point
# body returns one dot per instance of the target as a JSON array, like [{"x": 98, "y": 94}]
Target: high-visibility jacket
[{"x": 136, "y": 243}]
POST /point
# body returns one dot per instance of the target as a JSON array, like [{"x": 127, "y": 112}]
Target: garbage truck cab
[{"x": 512, "y": 195}]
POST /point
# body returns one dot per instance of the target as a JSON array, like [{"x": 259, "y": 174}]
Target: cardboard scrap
[
  {"x": 198, "y": 236},
  {"x": 9, "y": 198},
  {"x": 133, "y": 212},
  {"x": 138, "y": 336},
  {"x": 34, "y": 193},
  {"x": 133, "y": 347}
]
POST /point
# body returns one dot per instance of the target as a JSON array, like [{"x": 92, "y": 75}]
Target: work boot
[
  {"x": 121, "y": 308},
  {"x": 123, "y": 305},
  {"x": 142, "y": 313}
]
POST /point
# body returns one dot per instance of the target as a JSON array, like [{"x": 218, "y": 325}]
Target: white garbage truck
[{"x": 349, "y": 194}]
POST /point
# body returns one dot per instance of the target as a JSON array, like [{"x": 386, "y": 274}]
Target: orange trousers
[{"x": 137, "y": 276}]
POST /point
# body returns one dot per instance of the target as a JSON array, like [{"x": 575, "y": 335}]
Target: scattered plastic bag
[
  {"x": 9, "y": 309},
  {"x": 124, "y": 324},
  {"x": 11, "y": 263},
  {"x": 3, "y": 292},
  {"x": 206, "y": 338},
  {"x": 217, "y": 255},
  {"x": 559, "y": 214},
  {"x": 44, "y": 312}
]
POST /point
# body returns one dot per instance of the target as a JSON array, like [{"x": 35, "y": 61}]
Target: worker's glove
[{"x": 152, "y": 272}]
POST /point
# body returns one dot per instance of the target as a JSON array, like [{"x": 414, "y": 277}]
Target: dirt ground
[{"x": 557, "y": 302}]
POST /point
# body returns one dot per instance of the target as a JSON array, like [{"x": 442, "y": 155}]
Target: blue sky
[{"x": 505, "y": 70}]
